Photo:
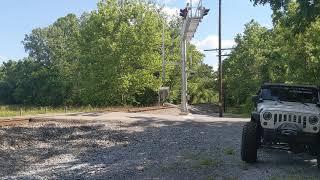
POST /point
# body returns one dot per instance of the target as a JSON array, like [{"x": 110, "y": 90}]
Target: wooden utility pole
[{"x": 220, "y": 67}]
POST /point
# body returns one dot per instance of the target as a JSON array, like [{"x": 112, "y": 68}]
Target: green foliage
[
  {"x": 306, "y": 12},
  {"x": 202, "y": 85},
  {"x": 122, "y": 55},
  {"x": 54, "y": 54},
  {"x": 5, "y": 92},
  {"x": 14, "y": 110},
  {"x": 110, "y": 56},
  {"x": 281, "y": 55},
  {"x": 248, "y": 65}
]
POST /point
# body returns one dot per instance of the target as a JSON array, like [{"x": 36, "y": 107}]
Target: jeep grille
[{"x": 300, "y": 119}]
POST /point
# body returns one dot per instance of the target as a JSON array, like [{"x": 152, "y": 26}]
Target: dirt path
[{"x": 138, "y": 146}]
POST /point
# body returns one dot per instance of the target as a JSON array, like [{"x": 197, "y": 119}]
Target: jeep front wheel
[{"x": 249, "y": 143}]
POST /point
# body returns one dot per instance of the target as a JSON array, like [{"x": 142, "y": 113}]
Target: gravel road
[{"x": 141, "y": 147}]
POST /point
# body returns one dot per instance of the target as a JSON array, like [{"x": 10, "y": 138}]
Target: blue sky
[{"x": 18, "y": 18}]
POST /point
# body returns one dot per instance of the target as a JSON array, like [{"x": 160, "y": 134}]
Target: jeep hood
[{"x": 288, "y": 106}]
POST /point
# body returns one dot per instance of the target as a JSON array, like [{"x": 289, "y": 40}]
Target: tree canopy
[
  {"x": 282, "y": 54},
  {"x": 306, "y": 11},
  {"x": 110, "y": 56}
]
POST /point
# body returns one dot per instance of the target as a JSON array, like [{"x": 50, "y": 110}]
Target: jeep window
[{"x": 290, "y": 94}]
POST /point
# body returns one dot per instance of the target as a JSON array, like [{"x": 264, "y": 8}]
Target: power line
[
  {"x": 224, "y": 55},
  {"x": 222, "y": 49}
]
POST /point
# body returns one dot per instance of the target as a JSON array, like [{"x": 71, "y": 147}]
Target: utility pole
[
  {"x": 184, "y": 103},
  {"x": 163, "y": 56},
  {"x": 220, "y": 67}
]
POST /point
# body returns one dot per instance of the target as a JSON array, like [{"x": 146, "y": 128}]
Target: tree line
[
  {"x": 289, "y": 52},
  {"x": 110, "y": 56}
]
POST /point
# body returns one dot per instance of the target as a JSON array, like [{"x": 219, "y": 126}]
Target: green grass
[
  {"x": 199, "y": 161},
  {"x": 229, "y": 151},
  {"x": 206, "y": 162},
  {"x": 209, "y": 162},
  {"x": 13, "y": 110}
]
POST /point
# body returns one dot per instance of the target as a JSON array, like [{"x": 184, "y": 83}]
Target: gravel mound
[{"x": 147, "y": 148}]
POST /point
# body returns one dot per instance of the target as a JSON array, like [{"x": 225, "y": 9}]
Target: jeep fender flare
[{"x": 255, "y": 117}]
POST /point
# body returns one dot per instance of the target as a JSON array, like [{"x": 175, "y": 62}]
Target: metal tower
[{"x": 192, "y": 16}]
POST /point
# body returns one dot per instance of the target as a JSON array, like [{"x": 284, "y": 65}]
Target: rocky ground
[{"x": 141, "y": 146}]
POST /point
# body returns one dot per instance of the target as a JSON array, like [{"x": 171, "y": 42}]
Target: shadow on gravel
[{"x": 148, "y": 148}]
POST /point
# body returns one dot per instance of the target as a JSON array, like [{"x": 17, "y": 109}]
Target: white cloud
[
  {"x": 194, "y": 2},
  {"x": 168, "y": 1},
  {"x": 267, "y": 25},
  {"x": 2, "y": 59},
  {"x": 211, "y": 42},
  {"x": 170, "y": 11}
]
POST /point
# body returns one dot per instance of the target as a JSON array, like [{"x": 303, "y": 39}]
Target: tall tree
[
  {"x": 287, "y": 53},
  {"x": 55, "y": 49},
  {"x": 307, "y": 11},
  {"x": 110, "y": 56}
]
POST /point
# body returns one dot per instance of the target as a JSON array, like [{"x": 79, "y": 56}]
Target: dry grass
[{"x": 14, "y": 110}]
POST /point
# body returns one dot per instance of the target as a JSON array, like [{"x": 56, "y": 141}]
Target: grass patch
[
  {"x": 15, "y": 110},
  {"x": 206, "y": 163},
  {"x": 199, "y": 161},
  {"x": 209, "y": 162},
  {"x": 229, "y": 151}
]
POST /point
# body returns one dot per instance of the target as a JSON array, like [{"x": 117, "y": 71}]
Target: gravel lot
[{"x": 141, "y": 147}]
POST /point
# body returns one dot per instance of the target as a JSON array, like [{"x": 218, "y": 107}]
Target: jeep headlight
[
  {"x": 267, "y": 116},
  {"x": 313, "y": 120}
]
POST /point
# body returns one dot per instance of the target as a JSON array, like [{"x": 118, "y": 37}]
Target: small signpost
[{"x": 163, "y": 95}]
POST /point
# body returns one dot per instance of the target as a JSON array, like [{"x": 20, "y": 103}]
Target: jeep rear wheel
[{"x": 249, "y": 143}]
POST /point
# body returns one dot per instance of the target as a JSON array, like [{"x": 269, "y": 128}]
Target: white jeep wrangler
[{"x": 285, "y": 117}]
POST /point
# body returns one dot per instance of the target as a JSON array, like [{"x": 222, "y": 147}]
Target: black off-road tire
[
  {"x": 318, "y": 161},
  {"x": 316, "y": 151},
  {"x": 249, "y": 143}
]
